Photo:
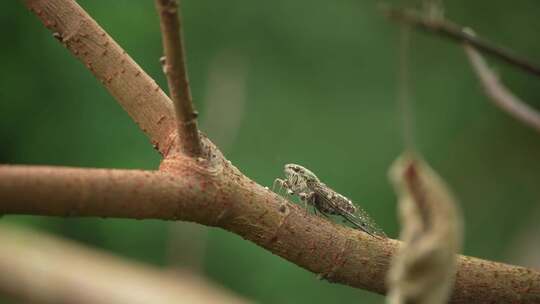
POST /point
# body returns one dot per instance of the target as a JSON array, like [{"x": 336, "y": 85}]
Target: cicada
[{"x": 307, "y": 186}]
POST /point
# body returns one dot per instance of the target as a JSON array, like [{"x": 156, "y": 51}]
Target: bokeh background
[{"x": 309, "y": 82}]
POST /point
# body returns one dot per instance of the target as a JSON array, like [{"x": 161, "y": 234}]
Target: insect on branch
[{"x": 311, "y": 191}]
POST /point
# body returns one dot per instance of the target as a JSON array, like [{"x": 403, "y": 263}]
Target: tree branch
[
  {"x": 458, "y": 33},
  {"x": 62, "y": 191},
  {"x": 175, "y": 70},
  {"x": 136, "y": 92},
  {"x": 498, "y": 94},
  {"x": 217, "y": 194},
  {"x": 39, "y": 268},
  {"x": 213, "y": 192}
]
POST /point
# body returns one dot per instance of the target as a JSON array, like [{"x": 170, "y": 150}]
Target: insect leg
[
  {"x": 277, "y": 181},
  {"x": 304, "y": 198},
  {"x": 317, "y": 212},
  {"x": 282, "y": 184},
  {"x": 324, "y": 214}
]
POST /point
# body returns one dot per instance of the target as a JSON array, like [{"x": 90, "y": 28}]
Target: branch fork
[{"x": 198, "y": 184}]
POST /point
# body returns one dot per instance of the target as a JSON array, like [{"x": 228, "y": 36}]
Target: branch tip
[
  {"x": 498, "y": 94},
  {"x": 455, "y": 32}
]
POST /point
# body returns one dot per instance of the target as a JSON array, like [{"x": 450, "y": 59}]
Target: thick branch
[
  {"x": 175, "y": 70},
  {"x": 38, "y": 268},
  {"x": 458, "y": 33},
  {"x": 218, "y": 195},
  {"x": 136, "y": 92},
  {"x": 499, "y": 95},
  {"x": 63, "y": 191}
]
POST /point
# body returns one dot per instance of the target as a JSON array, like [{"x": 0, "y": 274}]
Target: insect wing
[
  {"x": 368, "y": 222},
  {"x": 334, "y": 203}
]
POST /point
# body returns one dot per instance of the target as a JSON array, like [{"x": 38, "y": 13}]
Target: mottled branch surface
[
  {"x": 174, "y": 68},
  {"x": 447, "y": 29},
  {"x": 39, "y": 268},
  {"x": 211, "y": 191},
  {"x": 135, "y": 91},
  {"x": 217, "y": 194}
]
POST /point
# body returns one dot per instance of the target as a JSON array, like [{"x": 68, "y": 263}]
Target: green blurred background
[{"x": 310, "y": 82}]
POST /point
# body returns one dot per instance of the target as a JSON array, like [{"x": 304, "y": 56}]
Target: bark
[
  {"x": 137, "y": 93},
  {"x": 210, "y": 190},
  {"x": 217, "y": 194},
  {"x": 174, "y": 68}
]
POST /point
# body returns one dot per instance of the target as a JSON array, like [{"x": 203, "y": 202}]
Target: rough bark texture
[
  {"x": 211, "y": 191},
  {"x": 38, "y": 268},
  {"x": 217, "y": 194},
  {"x": 174, "y": 68},
  {"x": 136, "y": 92}
]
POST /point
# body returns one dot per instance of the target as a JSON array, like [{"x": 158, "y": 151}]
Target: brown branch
[
  {"x": 136, "y": 92},
  {"x": 213, "y": 192},
  {"x": 175, "y": 70},
  {"x": 447, "y": 29},
  {"x": 499, "y": 94},
  {"x": 39, "y": 268},
  {"x": 63, "y": 191},
  {"x": 219, "y": 195}
]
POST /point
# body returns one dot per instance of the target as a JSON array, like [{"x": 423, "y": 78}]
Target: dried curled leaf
[{"x": 423, "y": 270}]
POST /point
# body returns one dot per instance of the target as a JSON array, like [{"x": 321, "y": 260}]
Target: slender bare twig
[
  {"x": 136, "y": 92},
  {"x": 498, "y": 94},
  {"x": 227, "y": 199},
  {"x": 39, "y": 268},
  {"x": 175, "y": 70},
  {"x": 458, "y": 33}
]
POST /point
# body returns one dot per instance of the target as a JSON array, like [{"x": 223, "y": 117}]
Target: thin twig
[
  {"x": 228, "y": 199},
  {"x": 233, "y": 202},
  {"x": 175, "y": 70},
  {"x": 499, "y": 94},
  {"x": 458, "y": 33}
]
